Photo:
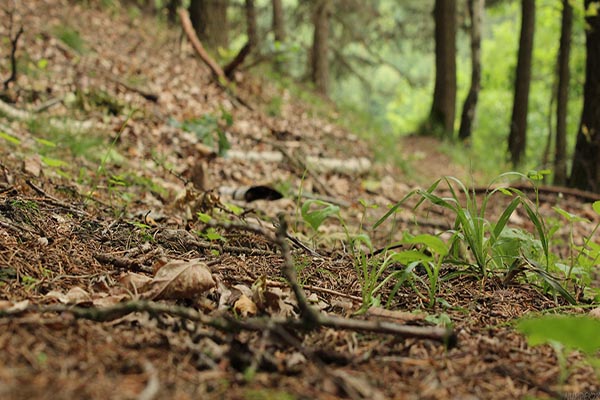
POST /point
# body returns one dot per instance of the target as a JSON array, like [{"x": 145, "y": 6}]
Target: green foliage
[
  {"x": 493, "y": 245},
  {"x": 565, "y": 333},
  {"x": 210, "y": 129},
  {"x": 71, "y": 37},
  {"x": 314, "y": 212}
]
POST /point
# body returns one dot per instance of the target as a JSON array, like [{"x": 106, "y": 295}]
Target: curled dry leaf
[
  {"x": 134, "y": 282},
  {"x": 75, "y": 295},
  {"x": 180, "y": 280},
  {"x": 9, "y": 306},
  {"x": 245, "y": 307}
]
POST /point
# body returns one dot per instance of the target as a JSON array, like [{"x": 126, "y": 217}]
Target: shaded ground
[{"x": 79, "y": 212}]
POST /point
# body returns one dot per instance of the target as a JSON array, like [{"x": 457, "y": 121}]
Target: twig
[
  {"x": 229, "y": 324},
  {"x": 204, "y": 56},
  {"x": 308, "y": 314},
  {"x": 237, "y": 60},
  {"x": 13, "y": 50}
]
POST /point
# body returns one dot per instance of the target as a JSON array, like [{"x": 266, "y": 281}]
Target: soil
[{"x": 89, "y": 219}]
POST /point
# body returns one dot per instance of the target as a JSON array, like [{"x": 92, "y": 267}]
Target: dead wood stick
[
  {"x": 229, "y": 324},
  {"x": 13, "y": 51},
  {"x": 237, "y": 60},
  {"x": 310, "y": 315},
  {"x": 204, "y": 56}
]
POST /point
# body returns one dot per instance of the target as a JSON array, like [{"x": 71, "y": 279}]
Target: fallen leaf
[
  {"x": 180, "y": 280},
  {"x": 134, "y": 282},
  {"x": 245, "y": 307}
]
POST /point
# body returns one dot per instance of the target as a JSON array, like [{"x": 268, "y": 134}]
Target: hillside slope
[{"x": 90, "y": 216}]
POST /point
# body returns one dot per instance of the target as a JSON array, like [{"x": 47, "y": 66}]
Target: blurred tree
[
  {"x": 320, "y": 47},
  {"x": 278, "y": 27},
  {"x": 251, "y": 25},
  {"x": 517, "y": 139},
  {"x": 560, "y": 156},
  {"x": 172, "y": 6},
  {"x": 476, "y": 10},
  {"x": 278, "y": 21},
  {"x": 209, "y": 18},
  {"x": 586, "y": 159},
  {"x": 443, "y": 109}
]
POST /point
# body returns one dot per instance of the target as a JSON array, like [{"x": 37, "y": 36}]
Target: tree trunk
[
  {"x": 278, "y": 21},
  {"x": 560, "y": 151},
  {"x": 172, "y": 6},
  {"x": 476, "y": 9},
  {"x": 209, "y": 18},
  {"x": 251, "y": 26},
  {"x": 443, "y": 108},
  {"x": 517, "y": 140},
  {"x": 320, "y": 49},
  {"x": 586, "y": 160}
]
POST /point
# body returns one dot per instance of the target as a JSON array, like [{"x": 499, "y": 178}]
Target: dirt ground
[{"x": 89, "y": 217}]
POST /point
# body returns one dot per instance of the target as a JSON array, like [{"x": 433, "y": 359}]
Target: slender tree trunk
[
  {"x": 172, "y": 6},
  {"x": 443, "y": 108},
  {"x": 278, "y": 21},
  {"x": 209, "y": 18},
  {"x": 320, "y": 49},
  {"x": 586, "y": 159},
  {"x": 476, "y": 9},
  {"x": 560, "y": 151},
  {"x": 517, "y": 140},
  {"x": 251, "y": 27}
]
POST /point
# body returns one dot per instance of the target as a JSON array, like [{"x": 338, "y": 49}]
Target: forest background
[{"x": 382, "y": 71}]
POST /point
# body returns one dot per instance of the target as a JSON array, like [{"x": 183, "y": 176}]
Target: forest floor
[{"x": 112, "y": 286}]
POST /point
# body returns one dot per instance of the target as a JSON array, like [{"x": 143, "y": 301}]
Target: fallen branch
[
  {"x": 237, "y": 60},
  {"x": 228, "y": 323},
  {"x": 14, "y": 40},
  {"x": 25, "y": 116},
  {"x": 204, "y": 56}
]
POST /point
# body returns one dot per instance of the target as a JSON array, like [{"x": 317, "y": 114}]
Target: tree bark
[
  {"x": 476, "y": 9},
  {"x": 320, "y": 49},
  {"x": 209, "y": 18},
  {"x": 560, "y": 151},
  {"x": 278, "y": 21},
  {"x": 517, "y": 140},
  {"x": 443, "y": 108},
  {"x": 251, "y": 26},
  {"x": 585, "y": 174},
  {"x": 172, "y": 6}
]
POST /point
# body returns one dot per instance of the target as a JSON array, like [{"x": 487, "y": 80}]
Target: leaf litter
[{"x": 117, "y": 223}]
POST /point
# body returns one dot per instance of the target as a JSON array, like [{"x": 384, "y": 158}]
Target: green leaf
[
  {"x": 409, "y": 256},
  {"x": 53, "y": 162},
  {"x": 9, "y": 138},
  {"x": 45, "y": 142},
  {"x": 434, "y": 243},
  {"x": 596, "y": 207},
  {"x": 568, "y": 216},
  {"x": 575, "y": 332},
  {"x": 202, "y": 217},
  {"x": 315, "y": 217}
]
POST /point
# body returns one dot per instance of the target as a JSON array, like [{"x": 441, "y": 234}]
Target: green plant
[
  {"x": 492, "y": 244},
  {"x": 210, "y": 129},
  {"x": 71, "y": 38},
  {"x": 565, "y": 333}
]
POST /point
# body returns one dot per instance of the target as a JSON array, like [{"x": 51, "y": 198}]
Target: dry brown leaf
[
  {"x": 180, "y": 280},
  {"x": 33, "y": 165},
  {"x": 6, "y": 305},
  {"x": 75, "y": 295},
  {"x": 595, "y": 312},
  {"x": 245, "y": 307},
  {"x": 134, "y": 282}
]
